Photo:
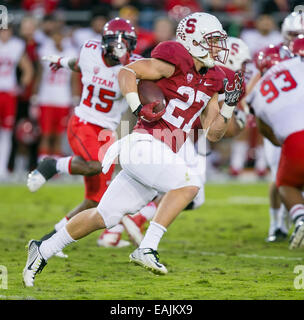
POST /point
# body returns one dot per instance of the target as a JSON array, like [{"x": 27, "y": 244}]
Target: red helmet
[
  {"x": 296, "y": 45},
  {"x": 119, "y": 39},
  {"x": 27, "y": 132},
  {"x": 270, "y": 56}
]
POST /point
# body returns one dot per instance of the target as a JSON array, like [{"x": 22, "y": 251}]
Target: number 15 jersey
[{"x": 101, "y": 102}]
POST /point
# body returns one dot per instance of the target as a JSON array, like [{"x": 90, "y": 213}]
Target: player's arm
[
  {"x": 149, "y": 69},
  {"x": 27, "y": 70},
  {"x": 267, "y": 132},
  {"x": 213, "y": 121},
  {"x": 57, "y": 62},
  {"x": 236, "y": 124}
]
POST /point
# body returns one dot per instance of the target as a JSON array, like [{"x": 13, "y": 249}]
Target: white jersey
[
  {"x": 55, "y": 87},
  {"x": 102, "y": 102},
  {"x": 10, "y": 55},
  {"x": 277, "y": 98}
]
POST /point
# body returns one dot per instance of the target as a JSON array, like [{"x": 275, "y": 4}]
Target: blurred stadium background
[{"x": 33, "y": 21}]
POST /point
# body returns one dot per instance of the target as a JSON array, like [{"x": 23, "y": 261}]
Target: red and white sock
[
  {"x": 117, "y": 229},
  {"x": 148, "y": 211},
  {"x": 296, "y": 211},
  {"x": 63, "y": 165}
]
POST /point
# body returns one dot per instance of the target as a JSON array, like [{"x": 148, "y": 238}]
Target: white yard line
[{"x": 240, "y": 255}]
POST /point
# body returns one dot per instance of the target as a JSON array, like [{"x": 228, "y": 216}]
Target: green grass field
[{"x": 215, "y": 252}]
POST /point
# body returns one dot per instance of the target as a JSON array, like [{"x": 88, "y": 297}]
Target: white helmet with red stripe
[
  {"x": 293, "y": 25},
  {"x": 203, "y": 36}
]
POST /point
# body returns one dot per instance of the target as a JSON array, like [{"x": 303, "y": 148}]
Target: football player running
[
  {"x": 91, "y": 128},
  {"x": 148, "y": 156},
  {"x": 280, "y": 118},
  {"x": 194, "y": 152}
]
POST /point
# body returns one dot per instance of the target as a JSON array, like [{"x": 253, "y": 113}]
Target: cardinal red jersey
[{"x": 187, "y": 93}]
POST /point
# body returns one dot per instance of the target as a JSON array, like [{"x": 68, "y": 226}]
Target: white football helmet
[
  {"x": 239, "y": 54},
  {"x": 204, "y": 37},
  {"x": 293, "y": 25}
]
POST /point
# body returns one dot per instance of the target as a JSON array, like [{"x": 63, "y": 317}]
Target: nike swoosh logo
[{"x": 207, "y": 84}]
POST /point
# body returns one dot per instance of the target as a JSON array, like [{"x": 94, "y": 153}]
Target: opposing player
[
  {"x": 91, "y": 128},
  {"x": 280, "y": 118},
  {"x": 292, "y": 27},
  {"x": 55, "y": 95},
  {"x": 148, "y": 155},
  {"x": 12, "y": 55},
  {"x": 278, "y": 230}
]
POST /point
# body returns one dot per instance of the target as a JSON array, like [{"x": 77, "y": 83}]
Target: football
[{"x": 148, "y": 92}]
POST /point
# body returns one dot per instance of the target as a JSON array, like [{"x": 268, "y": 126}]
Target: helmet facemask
[
  {"x": 119, "y": 40},
  {"x": 216, "y": 45},
  {"x": 119, "y": 47}
]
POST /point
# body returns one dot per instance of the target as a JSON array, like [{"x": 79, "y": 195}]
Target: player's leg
[
  {"x": 134, "y": 224},
  {"x": 46, "y": 122},
  {"x": 157, "y": 166},
  {"x": 294, "y": 201},
  {"x": 61, "y": 122},
  {"x": 108, "y": 214},
  {"x": 260, "y": 164},
  {"x": 290, "y": 181},
  {"x": 7, "y": 120},
  {"x": 84, "y": 205},
  {"x": 238, "y": 154},
  {"x": 49, "y": 167},
  {"x": 277, "y": 229},
  {"x": 84, "y": 141},
  {"x": 83, "y": 138}
]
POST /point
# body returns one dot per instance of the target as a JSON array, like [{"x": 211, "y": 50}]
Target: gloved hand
[
  {"x": 146, "y": 112},
  {"x": 234, "y": 90},
  {"x": 54, "y": 62}
]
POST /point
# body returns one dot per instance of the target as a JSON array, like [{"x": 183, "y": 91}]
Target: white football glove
[{"x": 54, "y": 62}]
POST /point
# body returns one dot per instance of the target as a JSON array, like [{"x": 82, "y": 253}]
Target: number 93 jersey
[
  {"x": 101, "y": 102},
  {"x": 277, "y": 98}
]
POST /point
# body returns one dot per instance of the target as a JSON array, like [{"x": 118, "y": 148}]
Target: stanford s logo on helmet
[
  {"x": 239, "y": 56},
  {"x": 119, "y": 39},
  {"x": 203, "y": 36}
]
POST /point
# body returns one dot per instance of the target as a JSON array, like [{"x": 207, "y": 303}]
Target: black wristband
[{"x": 137, "y": 111}]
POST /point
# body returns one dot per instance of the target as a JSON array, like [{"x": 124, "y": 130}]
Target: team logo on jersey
[
  {"x": 96, "y": 70},
  {"x": 189, "y": 77}
]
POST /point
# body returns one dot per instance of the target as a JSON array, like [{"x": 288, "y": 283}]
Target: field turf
[{"x": 215, "y": 252}]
